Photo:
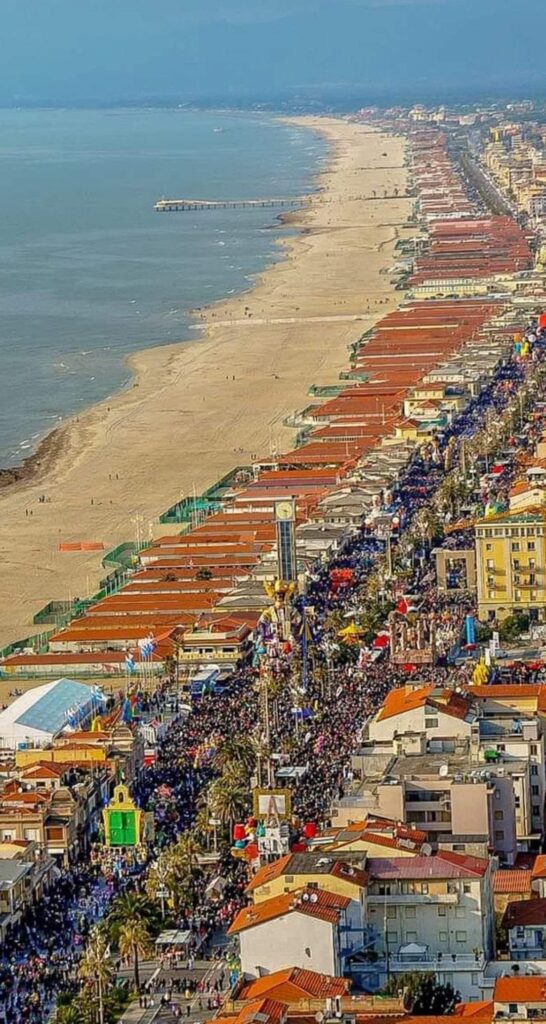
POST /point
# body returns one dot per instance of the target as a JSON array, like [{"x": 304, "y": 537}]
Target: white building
[
  {"x": 435, "y": 711},
  {"x": 307, "y": 928},
  {"x": 430, "y": 914}
]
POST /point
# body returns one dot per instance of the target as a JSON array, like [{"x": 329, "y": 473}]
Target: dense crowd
[{"x": 338, "y": 694}]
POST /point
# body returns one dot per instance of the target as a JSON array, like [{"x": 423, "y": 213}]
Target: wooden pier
[
  {"x": 183, "y": 205},
  {"x": 186, "y": 205}
]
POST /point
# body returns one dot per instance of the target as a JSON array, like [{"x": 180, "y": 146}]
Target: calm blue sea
[{"x": 88, "y": 271}]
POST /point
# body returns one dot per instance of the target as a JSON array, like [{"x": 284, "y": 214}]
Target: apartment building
[
  {"x": 430, "y": 914},
  {"x": 511, "y": 564}
]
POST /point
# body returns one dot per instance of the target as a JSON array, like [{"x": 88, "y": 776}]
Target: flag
[{"x": 130, "y": 663}]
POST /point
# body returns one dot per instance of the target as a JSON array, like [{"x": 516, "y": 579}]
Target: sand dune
[{"x": 195, "y": 404}]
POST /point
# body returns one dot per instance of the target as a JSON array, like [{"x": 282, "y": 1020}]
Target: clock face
[{"x": 284, "y": 510}]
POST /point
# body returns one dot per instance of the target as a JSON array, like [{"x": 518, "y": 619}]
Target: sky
[{"x": 108, "y": 51}]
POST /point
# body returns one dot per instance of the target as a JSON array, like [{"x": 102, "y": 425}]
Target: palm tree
[
  {"x": 228, "y": 800},
  {"x": 96, "y": 970},
  {"x": 238, "y": 750},
  {"x": 135, "y": 943},
  {"x": 129, "y": 908},
  {"x": 177, "y": 872}
]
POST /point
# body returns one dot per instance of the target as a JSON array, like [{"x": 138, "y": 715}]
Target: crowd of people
[{"x": 337, "y": 693}]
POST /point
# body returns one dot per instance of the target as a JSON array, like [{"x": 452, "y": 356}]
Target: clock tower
[{"x": 285, "y": 519}]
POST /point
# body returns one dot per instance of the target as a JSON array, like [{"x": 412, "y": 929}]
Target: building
[
  {"x": 305, "y": 928},
  {"x": 432, "y": 710},
  {"x": 26, "y": 874},
  {"x": 511, "y": 564},
  {"x": 312, "y": 870},
  {"x": 520, "y": 998},
  {"x": 430, "y": 914},
  {"x": 525, "y": 924},
  {"x": 36, "y": 717},
  {"x": 461, "y": 803}
]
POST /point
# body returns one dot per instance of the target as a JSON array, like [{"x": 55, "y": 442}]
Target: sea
[{"x": 89, "y": 272}]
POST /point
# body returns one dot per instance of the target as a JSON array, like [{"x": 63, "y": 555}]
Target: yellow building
[
  {"x": 298, "y": 870},
  {"x": 511, "y": 563}
]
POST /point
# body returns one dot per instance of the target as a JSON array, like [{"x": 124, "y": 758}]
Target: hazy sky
[{"x": 81, "y": 50}]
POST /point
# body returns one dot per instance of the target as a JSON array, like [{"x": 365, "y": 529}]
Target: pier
[
  {"x": 186, "y": 205},
  {"x": 183, "y": 205}
]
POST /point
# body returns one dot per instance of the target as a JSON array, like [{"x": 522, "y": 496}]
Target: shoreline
[
  {"x": 49, "y": 447},
  {"x": 182, "y": 421}
]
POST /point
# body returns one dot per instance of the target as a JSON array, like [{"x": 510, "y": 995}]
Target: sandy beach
[{"x": 199, "y": 407}]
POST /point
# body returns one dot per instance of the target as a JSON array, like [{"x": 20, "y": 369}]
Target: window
[
  {"x": 536, "y": 810},
  {"x": 54, "y": 833},
  {"x": 441, "y": 911},
  {"x": 499, "y": 815},
  {"x": 515, "y": 546},
  {"x": 459, "y": 847},
  {"x": 391, "y": 912},
  {"x": 490, "y": 563},
  {"x": 467, "y": 887},
  {"x": 410, "y": 912},
  {"x": 452, "y": 887},
  {"x": 499, "y": 835},
  {"x": 512, "y": 1007},
  {"x": 488, "y": 547},
  {"x": 501, "y": 746},
  {"x": 411, "y": 936},
  {"x": 442, "y": 936},
  {"x": 424, "y": 888},
  {"x": 384, "y": 889},
  {"x": 392, "y": 937},
  {"x": 460, "y": 936},
  {"x": 534, "y": 769},
  {"x": 475, "y": 979},
  {"x": 534, "y": 749},
  {"x": 530, "y": 545},
  {"x": 289, "y": 878},
  {"x": 517, "y": 595},
  {"x": 535, "y": 790},
  {"x": 431, "y": 723}
]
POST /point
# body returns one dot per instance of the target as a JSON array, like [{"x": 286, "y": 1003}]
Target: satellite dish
[{"x": 443, "y": 771}]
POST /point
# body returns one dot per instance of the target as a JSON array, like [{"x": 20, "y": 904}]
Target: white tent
[{"x": 44, "y": 712}]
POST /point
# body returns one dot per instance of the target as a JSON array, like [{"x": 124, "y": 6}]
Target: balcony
[
  {"x": 413, "y": 899},
  {"x": 440, "y": 962}
]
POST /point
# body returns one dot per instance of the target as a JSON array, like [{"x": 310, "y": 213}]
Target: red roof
[
  {"x": 315, "y": 903},
  {"x": 293, "y": 984},
  {"x": 509, "y": 881},
  {"x": 523, "y": 989}
]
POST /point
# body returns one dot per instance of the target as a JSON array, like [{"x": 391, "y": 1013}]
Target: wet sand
[{"x": 197, "y": 408}]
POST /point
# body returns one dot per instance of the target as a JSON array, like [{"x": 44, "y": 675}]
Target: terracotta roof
[
  {"x": 481, "y": 1008},
  {"x": 43, "y": 770},
  {"x": 506, "y": 881},
  {"x": 316, "y": 903},
  {"x": 539, "y": 867},
  {"x": 293, "y": 984},
  {"x": 523, "y": 989},
  {"x": 402, "y": 700},
  {"x": 525, "y": 912},
  {"x": 262, "y": 1010}
]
